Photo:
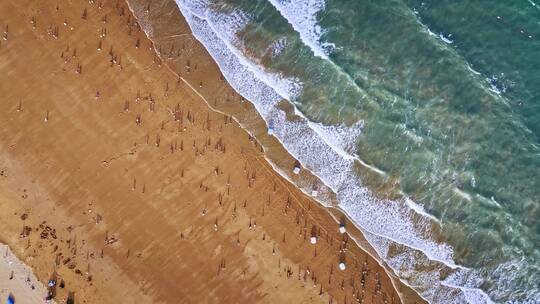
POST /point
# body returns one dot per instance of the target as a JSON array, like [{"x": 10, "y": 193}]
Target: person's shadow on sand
[{"x": 71, "y": 298}]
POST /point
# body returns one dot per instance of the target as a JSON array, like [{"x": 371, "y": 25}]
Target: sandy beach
[{"x": 117, "y": 175}]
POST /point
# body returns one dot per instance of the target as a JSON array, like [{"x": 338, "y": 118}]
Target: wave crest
[{"x": 401, "y": 235}]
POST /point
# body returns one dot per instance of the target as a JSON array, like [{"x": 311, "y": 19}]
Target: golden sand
[{"x": 119, "y": 177}]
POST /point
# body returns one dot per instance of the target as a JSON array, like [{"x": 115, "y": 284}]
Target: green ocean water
[
  {"x": 449, "y": 96},
  {"x": 439, "y": 128}
]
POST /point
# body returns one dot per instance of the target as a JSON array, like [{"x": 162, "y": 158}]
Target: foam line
[
  {"x": 302, "y": 16},
  {"x": 324, "y": 152}
]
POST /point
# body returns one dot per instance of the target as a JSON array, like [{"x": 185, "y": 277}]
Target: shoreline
[
  {"x": 90, "y": 184},
  {"x": 257, "y": 127}
]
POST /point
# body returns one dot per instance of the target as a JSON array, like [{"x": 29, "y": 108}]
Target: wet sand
[{"x": 119, "y": 177}]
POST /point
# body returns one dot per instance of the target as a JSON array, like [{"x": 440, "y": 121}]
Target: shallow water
[{"x": 422, "y": 116}]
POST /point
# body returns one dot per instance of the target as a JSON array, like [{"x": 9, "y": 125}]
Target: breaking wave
[{"x": 400, "y": 231}]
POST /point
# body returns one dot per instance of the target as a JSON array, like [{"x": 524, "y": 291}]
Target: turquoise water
[{"x": 448, "y": 93}]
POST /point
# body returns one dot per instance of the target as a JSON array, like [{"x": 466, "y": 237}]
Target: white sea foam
[
  {"x": 277, "y": 46},
  {"x": 475, "y": 72},
  {"x": 420, "y": 210},
  {"x": 327, "y": 152},
  {"x": 443, "y": 38},
  {"x": 302, "y": 16},
  {"x": 446, "y": 39}
]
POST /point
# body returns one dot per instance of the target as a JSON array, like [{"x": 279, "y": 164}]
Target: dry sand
[
  {"x": 18, "y": 279},
  {"x": 116, "y": 175}
]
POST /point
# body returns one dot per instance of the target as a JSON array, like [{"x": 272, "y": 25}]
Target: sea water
[{"x": 422, "y": 116}]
